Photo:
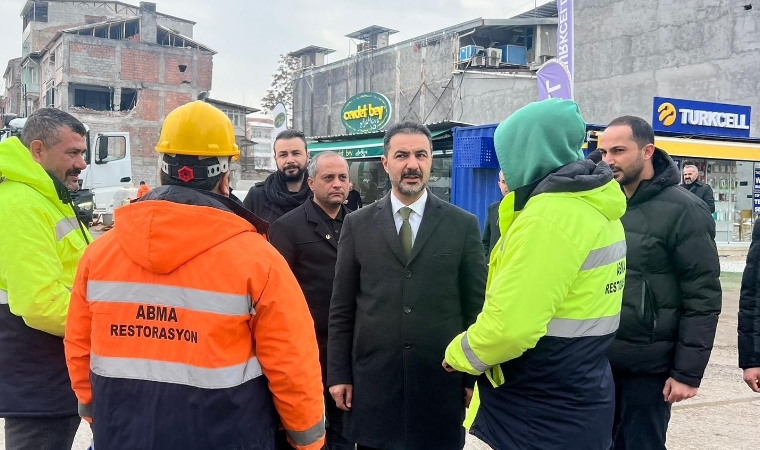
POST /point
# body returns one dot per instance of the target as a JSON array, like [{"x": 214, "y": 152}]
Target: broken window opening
[
  {"x": 93, "y": 97},
  {"x": 101, "y": 32},
  {"x": 117, "y": 31},
  {"x": 37, "y": 13},
  {"x": 128, "y": 99},
  {"x": 50, "y": 96},
  {"x": 170, "y": 39},
  {"x": 131, "y": 29}
]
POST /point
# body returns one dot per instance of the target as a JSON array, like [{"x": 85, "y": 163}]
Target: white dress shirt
[{"x": 415, "y": 218}]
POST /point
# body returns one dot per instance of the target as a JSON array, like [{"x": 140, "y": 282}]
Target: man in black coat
[
  {"x": 491, "y": 233},
  {"x": 749, "y": 318},
  {"x": 696, "y": 187},
  {"x": 671, "y": 299},
  {"x": 307, "y": 237},
  {"x": 354, "y": 199},
  {"x": 410, "y": 277},
  {"x": 285, "y": 189}
]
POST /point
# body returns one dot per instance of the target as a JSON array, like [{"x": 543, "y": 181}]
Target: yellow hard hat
[{"x": 198, "y": 129}]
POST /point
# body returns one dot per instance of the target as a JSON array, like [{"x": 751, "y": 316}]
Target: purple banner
[
  {"x": 565, "y": 38},
  {"x": 554, "y": 81}
]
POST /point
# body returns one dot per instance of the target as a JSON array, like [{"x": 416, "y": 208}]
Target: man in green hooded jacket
[{"x": 554, "y": 291}]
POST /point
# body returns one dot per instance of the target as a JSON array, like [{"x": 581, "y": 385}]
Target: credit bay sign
[{"x": 366, "y": 112}]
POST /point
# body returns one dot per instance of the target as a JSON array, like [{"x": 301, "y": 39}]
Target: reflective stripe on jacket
[{"x": 203, "y": 330}]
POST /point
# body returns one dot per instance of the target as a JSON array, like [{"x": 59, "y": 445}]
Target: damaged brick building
[{"x": 115, "y": 66}]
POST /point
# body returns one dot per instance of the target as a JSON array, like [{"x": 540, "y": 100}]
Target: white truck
[{"x": 109, "y": 168}]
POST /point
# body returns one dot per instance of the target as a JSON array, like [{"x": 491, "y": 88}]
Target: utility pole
[{"x": 26, "y": 106}]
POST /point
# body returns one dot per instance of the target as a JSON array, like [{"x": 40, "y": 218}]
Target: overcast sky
[{"x": 249, "y": 35}]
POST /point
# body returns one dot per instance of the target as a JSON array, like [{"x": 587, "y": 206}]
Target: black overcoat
[
  {"x": 310, "y": 247},
  {"x": 391, "y": 320}
]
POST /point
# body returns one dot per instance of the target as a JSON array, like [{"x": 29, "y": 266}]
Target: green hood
[
  {"x": 16, "y": 164},
  {"x": 537, "y": 139}
]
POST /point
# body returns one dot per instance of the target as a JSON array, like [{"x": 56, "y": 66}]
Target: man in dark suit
[
  {"x": 307, "y": 237},
  {"x": 491, "y": 233},
  {"x": 410, "y": 276}
]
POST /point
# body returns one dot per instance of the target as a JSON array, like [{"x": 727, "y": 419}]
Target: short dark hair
[
  {"x": 405, "y": 128},
  {"x": 191, "y": 161},
  {"x": 141, "y": 183},
  {"x": 641, "y": 131},
  {"x": 291, "y": 134},
  {"x": 45, "y": 123}
]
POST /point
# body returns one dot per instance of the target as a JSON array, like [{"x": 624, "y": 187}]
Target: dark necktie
[{"x": 406, "y": 231}]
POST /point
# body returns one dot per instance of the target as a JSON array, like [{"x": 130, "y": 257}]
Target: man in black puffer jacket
[
  {"x": 671, "y": 300},
  {"x": 749, "y": 319}
]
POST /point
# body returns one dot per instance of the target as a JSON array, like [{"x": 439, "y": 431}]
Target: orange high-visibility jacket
[
  {"x": 142, "y": 190},
  {"x": 187, "y": 330}
]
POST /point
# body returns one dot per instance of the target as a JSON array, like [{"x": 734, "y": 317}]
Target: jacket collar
[
  {"x": 320, "y": 227},
  {"x": 578, "y": 176},
  {"x": 197, "y": 197},
  {"x": 696, "y": 184},
  {"x": 666, "y": 174}
]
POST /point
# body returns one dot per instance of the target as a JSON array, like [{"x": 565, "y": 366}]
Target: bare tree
[{"x": 282, "y": 85}]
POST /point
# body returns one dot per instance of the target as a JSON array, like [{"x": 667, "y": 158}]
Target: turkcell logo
[{"x": 689, "y": 116}]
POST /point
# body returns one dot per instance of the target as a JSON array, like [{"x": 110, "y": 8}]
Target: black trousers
[
  {"x": 641, "y": 413},
  {"x": 41, "y": 433}
]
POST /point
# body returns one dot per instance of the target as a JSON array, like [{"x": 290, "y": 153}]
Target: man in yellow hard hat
[{"x": 178, "y": 340}]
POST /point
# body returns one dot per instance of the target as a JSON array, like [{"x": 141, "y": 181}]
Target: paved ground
[{"x": 723, "y": 415}]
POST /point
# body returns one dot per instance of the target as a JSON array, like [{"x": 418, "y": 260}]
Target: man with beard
[
  {"x": 696, "y": 187},
  {"x": 671, "y": 299},
  {"x": 410, "y": 276},
  {"x": 286, "y": 189},
  {"x": 307, "y": 238},
  {"x": 40, "y": 246}
]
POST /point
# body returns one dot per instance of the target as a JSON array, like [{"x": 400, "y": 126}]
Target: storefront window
[
  {"x": 372, "y": 182},
  {"x": 732, "y": 183}
]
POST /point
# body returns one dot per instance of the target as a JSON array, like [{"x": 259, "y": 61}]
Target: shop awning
[
  {"x": 704, "y": 148},
  {"x": 358, "y": 148}
]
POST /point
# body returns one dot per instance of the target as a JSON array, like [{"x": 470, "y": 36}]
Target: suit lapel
[
  {"x": 312, "y": 215},
  {"x": 430, "y": 220},
  {"x": 386, "y": 224}
]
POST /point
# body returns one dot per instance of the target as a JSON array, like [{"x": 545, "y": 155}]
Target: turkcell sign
[
  {"x": 565, "y": 35},
  {"x": 689, "y": 116}
]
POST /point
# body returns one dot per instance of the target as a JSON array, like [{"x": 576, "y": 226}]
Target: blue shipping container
[
  {"x": 474, "y": 190},
  {"x": 475, "y": 175},
  {"x": 515, "y": 55},
  {"x": 469, "y": 51},
  {"x": 474, "y": 147}
]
